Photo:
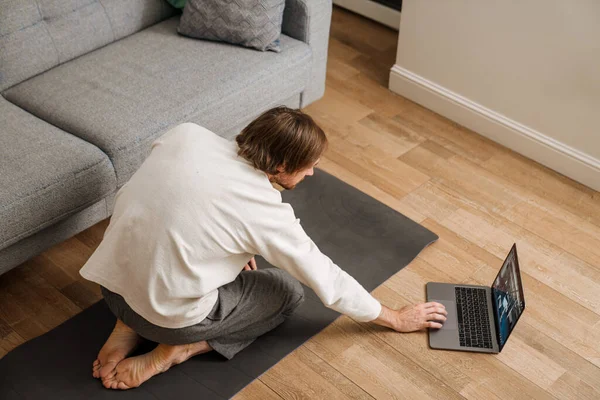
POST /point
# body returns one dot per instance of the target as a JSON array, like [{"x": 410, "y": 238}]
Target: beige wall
[{"x": 530, "y": 66}]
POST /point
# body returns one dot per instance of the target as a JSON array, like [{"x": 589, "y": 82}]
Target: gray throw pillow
[{"x": 250, "y": 23}]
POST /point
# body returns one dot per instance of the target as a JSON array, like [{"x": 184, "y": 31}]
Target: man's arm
[
  {"x": 281, "y": 240},
  {"x": 276, "y": 234}
]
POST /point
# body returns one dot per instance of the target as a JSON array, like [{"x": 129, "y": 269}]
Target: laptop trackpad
[{"x": 451, "y": 322}]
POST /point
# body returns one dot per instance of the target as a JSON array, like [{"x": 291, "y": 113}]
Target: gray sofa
[{"x": 87, "y": 85}]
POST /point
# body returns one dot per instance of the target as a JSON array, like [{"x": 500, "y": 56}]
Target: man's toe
[
  {"x": 107, "y": 383},
  {"x": 111, "y": 375},
  {"x": 107, "y": 369},
  {"x": 96, "y": 370},
  {"x": 110, "y": 383}
]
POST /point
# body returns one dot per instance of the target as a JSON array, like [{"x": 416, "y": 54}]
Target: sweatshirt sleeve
[{"x": 281, "y": 240}]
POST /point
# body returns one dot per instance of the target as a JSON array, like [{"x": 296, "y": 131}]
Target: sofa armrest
[{"x": 309, "y": 21}]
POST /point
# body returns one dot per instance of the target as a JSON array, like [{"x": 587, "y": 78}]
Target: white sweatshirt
[{"x": 188, "y": 221}]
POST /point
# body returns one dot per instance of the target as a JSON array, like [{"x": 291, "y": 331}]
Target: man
[{"x": 187, "y": 222}]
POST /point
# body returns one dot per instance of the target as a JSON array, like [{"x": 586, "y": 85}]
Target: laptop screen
[{"x": 507, "y": 293}]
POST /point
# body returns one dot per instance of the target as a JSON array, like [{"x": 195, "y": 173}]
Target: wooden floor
[{"x": 477, "y": 196}]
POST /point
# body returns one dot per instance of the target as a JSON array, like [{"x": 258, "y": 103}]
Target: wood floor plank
[
  {"x": 305, "y": 382},
  {"x": 365, "y": 65},
  {"x": 377, "y": 122},
  {"x": 362, "y": 136},
  {"x": 568, "y": 231},
  {"x": 446, "y": 133},
  {"x": 81, "y": 294},
  {"x": 49, "y": 271},
  {"x": 40, "y": 301},
  {"x": 10, "y": 310},
  {"x": 366, "y": 138},
  {"x": 377, "y": 368},
  {"x": 478, "y": 391},
  {"x": 326, "y": 370},
  {"x": 474, "y": 183},
  {"x": 257, "y": 390},
  {"x": 374, "y": 43},
  {"x": 365, "y": 36},
  {"x": 531, "y": 176},
  {"x": 555, "y": 355},
  {"x": 30, "y": 328},
  {"x": 591, "y": 338},
  {"x": 338, "y": 70},
  {"x": 340, "y": 158},
  {"x": 340, "y": 51},
  {"x": 531, "y": 362},
  {"x": 570, "y": 387},
  {"x": 389, "y": 170},
  {"x": 430, "y": 201},
  {"x": 339, "y": 106},
  {"x": 5, "y": 329},
  {"x": 368, "y": 92}
]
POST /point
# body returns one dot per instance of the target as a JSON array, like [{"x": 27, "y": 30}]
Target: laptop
[{"x": 480, "y": 318}]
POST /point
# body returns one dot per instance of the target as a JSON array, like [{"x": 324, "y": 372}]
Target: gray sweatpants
[{"x": 253, "y": 304}]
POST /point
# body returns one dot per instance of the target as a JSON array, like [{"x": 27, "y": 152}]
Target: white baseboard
[
  {"x": 556, "y": 155},
  {"x": 375, "y": 11}
]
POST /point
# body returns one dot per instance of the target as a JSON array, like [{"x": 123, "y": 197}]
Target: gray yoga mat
[{"x": 366, "y": 238}]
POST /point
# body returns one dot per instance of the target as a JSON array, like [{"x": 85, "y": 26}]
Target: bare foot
[
  {"x": 134, "y": 371},
  {"x": 121, "y": 342}
]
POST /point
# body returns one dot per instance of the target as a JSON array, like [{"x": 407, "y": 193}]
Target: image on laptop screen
[{"x": 507, "y": 292}]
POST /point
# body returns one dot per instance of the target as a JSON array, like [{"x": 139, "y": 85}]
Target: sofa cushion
[
  {"x": 36, "y": 35},
  {"x": 123, "y": 96},
  {"x": 46, "y": 174}
]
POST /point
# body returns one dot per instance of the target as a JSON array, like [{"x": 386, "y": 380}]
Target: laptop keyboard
[{"x": 473, "y": 320}]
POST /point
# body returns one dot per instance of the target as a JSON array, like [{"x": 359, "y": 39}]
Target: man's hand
[
  {"x": 413, "y": 318},
  {"x": 251, "y": 266}
]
